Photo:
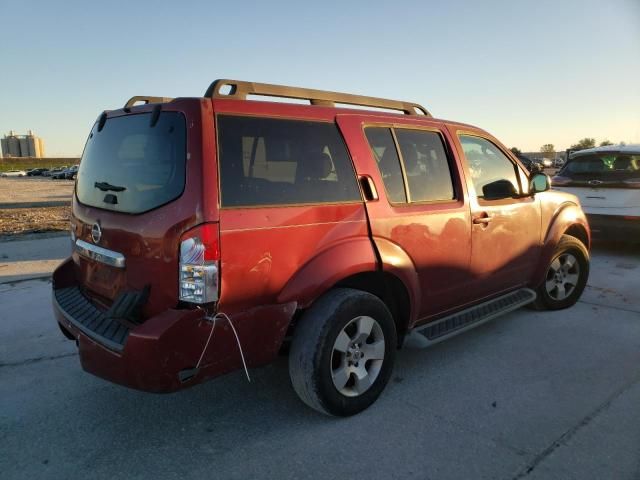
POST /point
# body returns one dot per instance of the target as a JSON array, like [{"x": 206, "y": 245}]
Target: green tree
[
  {"x": 548, "y": 150},
  {"x": 604, "y": 143},
  {"x": 584, "y": 144},
  {"x": 516, "y": 151}
]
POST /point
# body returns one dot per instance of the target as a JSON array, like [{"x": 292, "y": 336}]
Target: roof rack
[
  {"x": 239, "y": 90},
  {"x": 146, "y": 99}
]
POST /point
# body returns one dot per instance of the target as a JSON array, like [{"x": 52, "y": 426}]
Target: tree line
[{"x": 549, "y": 151}]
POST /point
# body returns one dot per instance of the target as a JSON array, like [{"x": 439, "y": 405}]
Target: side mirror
[
  {"x": 499, "y": 189},
  {"x": 539, "y": 183}
]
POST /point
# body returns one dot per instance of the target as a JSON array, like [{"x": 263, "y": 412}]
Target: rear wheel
[
  {"x": 566, "y": 276},
  {"x": 343, "y": 352}
]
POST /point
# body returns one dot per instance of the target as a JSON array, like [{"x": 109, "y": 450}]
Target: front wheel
[
  {"x": 566, "y": 276},
  {"x": 343, "y": 351}
]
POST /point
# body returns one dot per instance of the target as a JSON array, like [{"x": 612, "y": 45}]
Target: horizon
[{"x": 528, "y": 72}]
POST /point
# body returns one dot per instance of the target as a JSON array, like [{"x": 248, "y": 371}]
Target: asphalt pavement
[{"x": 533, "y": 395}]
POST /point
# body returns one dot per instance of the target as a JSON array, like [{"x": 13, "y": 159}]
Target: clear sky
[{"x": 529, "y": 71}]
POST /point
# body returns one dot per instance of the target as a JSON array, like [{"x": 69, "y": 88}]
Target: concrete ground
[
  {"x": 35, "y": 256},
  {"x": 533, "y": 395}
]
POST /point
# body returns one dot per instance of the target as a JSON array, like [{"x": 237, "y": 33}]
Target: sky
[{"x": 530, "y": 72}]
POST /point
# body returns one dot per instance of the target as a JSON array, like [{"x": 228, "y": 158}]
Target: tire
[
  {"x": 320, "y": 351},
  {"x": 566, "y": 276}
]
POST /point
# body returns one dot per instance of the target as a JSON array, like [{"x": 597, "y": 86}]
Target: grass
[{"x": 29, "y": 163}]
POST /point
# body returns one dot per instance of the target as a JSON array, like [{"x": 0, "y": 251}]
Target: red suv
[{"x": 218, "y": 231}]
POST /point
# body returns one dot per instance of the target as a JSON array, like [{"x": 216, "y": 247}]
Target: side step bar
[{"x": 472, "y": 317}]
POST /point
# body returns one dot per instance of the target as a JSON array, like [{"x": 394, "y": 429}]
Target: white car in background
[
  {"x": 14, "y": 173},
  {"x": 547, "y": 162},
  {"x": 607, "y": 182}
]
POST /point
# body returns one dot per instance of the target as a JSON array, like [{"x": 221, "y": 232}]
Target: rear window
[
  {"x": 267, "y": 161},
  {"x": 131, "y": 166},
  {"x": 604, "y": 166}
]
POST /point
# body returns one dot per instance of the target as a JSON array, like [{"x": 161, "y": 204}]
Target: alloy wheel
[{"x": 563, "y": 276}]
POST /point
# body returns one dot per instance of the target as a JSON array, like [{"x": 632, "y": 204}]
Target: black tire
[
  {"x": 572, "y": 246},
  {"x": 312, "y": 350}
]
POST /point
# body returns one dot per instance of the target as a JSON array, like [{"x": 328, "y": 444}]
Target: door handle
[
  {"x": 482, "y": 219},
  {"x": 368, "y": 188}
]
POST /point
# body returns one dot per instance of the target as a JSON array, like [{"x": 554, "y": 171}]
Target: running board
[{"x": 474, "y": 316}]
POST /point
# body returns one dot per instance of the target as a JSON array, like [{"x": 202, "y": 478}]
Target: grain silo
[
  {"x": 5, "y": 146},
  {"x": 33, "y": 145},
  {"x": 22, "y": 145},
  {"x": 13, "y": 143}
]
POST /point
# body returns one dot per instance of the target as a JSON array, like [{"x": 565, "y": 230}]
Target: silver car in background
[{"x": 607, "y": 182}]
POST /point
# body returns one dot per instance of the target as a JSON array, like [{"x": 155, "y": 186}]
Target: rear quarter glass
[
  {"x": 269, "y": 161},
  {"x": 137, "y": 166}
]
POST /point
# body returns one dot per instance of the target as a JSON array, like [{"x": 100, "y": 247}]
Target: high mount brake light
[{"x": 199, "y": 262}]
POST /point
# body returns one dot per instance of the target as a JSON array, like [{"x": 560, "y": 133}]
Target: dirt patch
[
  {"x": 34, "y": 190},
  {"x": 22, "y": 221}
]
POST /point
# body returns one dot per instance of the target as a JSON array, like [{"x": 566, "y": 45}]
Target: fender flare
[
  {"x": 567, "y": 215},
  {"x": 328, "y": 267}
]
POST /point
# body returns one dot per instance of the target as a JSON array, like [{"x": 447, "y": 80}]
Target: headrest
[
  {"x": 314, "y": 166},
  {"x": 622, "y": 163}
]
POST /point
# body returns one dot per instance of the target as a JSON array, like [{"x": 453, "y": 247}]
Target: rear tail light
[
  {"x": 632, "y": 183},
  {"x": 559, "y": 180},
  {"x": 199, "y": 264}
]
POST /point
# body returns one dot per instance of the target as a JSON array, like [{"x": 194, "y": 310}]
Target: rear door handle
[
  {"x": 483, "y": 219},
  {"x": 368, "y": 188}
]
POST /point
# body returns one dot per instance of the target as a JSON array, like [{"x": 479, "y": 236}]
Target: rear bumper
[
  {"x": 151, "y": 356},
  {"x": 614, "y": 226}
]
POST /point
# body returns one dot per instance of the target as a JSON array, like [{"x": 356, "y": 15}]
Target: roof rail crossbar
[
  {"x": 146, "y": 100},
  {"x": 239, "y": 90}
]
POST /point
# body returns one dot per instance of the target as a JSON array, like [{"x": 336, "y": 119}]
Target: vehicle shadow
[{"x": 617, "y": 247}]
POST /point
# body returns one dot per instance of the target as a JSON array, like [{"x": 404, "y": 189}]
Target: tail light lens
[
  {"x": 199, "y": 264},
  {"x": 559, "y": 180}
]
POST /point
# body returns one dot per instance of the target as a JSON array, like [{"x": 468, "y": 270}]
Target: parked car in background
[
  {"x": 547, "y": 162},
  {"x": 53, "y": 171},
  {"x": 14, "y": 173},
  {"x": 558, "y": 162},
  {"x": 35, "y": 172},
  {"x": 533, "y": 166},
  {"x": 327, "y": 231},
  {"x": 71, "y": 172},
  {"x": 59, "y": 174},
  {"x": 607, "y": 182}
]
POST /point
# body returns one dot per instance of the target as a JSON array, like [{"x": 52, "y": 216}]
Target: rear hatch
[
  {"x": 138, "y": 190},
  {"x": 602, "y": 180}
]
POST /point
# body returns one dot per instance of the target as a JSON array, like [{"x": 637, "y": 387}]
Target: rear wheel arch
[
  {"x": 324, "y": 270},
  {"x": 388, "y": 288}
]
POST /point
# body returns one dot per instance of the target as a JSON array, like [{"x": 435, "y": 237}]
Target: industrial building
[{"x": 22, "y": 145}]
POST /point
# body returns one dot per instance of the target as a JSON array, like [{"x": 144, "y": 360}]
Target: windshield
[
  {"x": 130, "y": 166},
  {"x": 603, "y": 166}
]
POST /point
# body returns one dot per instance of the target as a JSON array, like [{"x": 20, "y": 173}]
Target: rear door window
[
  {"x": 130, "y": 166},
  {"x": 426, "y": 165},
  {"x": 268, "y": 161},
  {"x": 384, "y": 151}
]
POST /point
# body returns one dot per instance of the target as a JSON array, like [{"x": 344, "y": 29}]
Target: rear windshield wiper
[{"x": 105, "y": 187}]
